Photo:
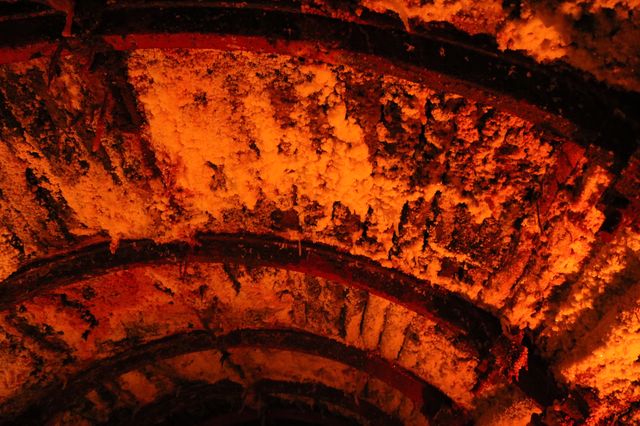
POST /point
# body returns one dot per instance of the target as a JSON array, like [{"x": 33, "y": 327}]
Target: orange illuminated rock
[{"x": 271, "y": 224}]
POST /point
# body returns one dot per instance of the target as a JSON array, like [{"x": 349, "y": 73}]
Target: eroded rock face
[
  {"x": 259, "y": 371},
  {"x": 99, "y": 318},
  {"x": 160, "y": 146},
  {"x": 598, "y": 37},
  {"x": 430, "y": 183}
]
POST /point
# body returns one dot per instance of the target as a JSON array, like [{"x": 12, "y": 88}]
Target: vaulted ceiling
[{"x": 319, "y": 212}]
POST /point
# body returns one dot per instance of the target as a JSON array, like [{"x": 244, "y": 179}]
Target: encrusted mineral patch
[{"x": 204, "y": 227}]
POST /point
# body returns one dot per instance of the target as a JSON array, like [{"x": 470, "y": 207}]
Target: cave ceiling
[{"x": 319, "y": 212}]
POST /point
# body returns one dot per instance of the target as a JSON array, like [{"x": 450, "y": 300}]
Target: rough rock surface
[
  {"x": 159, "y": 146},
  {"x": 597, "y": 36}
]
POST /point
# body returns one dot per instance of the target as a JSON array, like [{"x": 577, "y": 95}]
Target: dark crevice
[
  {"x": 537, "y": 380},
  {"x": 228, "y": 270},
  {"x": 57, "y": 209}
]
